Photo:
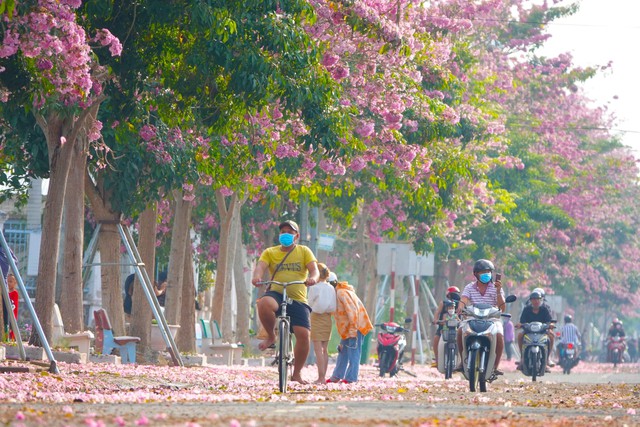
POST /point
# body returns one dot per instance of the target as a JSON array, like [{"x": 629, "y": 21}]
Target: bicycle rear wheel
[{"x": 283, "y": 352}]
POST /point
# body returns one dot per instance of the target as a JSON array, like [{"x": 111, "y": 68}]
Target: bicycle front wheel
[{"x": 283, "y": 351}]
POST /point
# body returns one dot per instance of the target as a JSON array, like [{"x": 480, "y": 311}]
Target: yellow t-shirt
[{"x": 293, "y": 268}]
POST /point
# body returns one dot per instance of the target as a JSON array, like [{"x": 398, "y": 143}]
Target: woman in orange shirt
[{"x": 353, "y": 323}]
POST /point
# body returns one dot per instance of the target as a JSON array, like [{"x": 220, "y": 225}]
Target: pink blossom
[
  {"x": 329, "y": 59},
  {"x": 365, "y": 128},
  {"x": 340, "y": 73},
  {"x": 226, "y": 191},
  {"x": 142, "y": 421}
]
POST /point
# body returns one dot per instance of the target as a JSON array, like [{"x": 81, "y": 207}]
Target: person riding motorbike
[
  {"x": 616, "y": 329},
  {"x": 450, "y": 303},
  {"x": 535, "y": 312},
  {"x": 570, "y": 333},
  {"x": 484, "y": 290}
]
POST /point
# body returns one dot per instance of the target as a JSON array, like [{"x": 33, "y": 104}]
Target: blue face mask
[
  {"x": 286, "y": 239},
  {"x": 485, "y": 277}
]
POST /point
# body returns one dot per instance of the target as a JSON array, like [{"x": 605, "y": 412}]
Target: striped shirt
[
  {"x": 570, "y": 334},
  {"x": 490, "y": 296}
]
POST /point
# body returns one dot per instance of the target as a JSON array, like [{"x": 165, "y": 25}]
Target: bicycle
[{"x": 284, "y": 348}]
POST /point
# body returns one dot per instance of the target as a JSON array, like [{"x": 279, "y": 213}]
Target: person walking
[
  {"x": 353, "y": 323},
  {"x": 287, "y": 262},
  {"x": 322, "y": 300},
  {"x": 509, "y": 337}
]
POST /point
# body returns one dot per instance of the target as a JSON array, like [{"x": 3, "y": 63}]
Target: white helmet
[
  {"x": 540, "y": 291},
  {"x": 332, "y": 277}
]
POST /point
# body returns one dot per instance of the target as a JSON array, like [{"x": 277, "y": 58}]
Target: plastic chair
[{"x": 106, "y": 342}]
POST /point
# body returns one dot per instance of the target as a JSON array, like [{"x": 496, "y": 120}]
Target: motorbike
[
  {"x": 448, "y": 355},
  {"x": 568, "y": 354},
  {"x": 615, "y": 350},
  {"x": 479, "y": 330},
  {"x": 535, "y": 348},
  {"x": 392, "y": 342}
]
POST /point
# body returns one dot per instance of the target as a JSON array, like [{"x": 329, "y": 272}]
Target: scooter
[
  {"x": 479, "y": 336},
  {"x": 391, "y": 345},
  {"x": 568, "y": 354},
  {"x": 535, "y": 347},
  {"x": 615, "y": 350}
]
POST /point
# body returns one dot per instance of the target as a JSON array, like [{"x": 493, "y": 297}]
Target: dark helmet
[
  {"x": 448, "y": 303},
  {"x": 452, "y": 289},
  {"x": 540, "y": 291},
  {"x": 535, "y": 295},
  {"x": 568, "y": 318},
  {"x": 483, "y": 264}
]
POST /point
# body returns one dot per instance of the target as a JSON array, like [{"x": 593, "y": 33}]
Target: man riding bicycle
[{"x": 287, "y": 262}]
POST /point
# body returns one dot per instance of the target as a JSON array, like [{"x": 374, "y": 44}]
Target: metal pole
[
  {"x": 53, "y": 367},
  {"x": 147, "y": 287},
  {"x": 392, "y": 295},
  {"x": 416, "y": 304}
]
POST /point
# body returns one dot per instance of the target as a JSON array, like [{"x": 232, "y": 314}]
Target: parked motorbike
[
  {"x": 615, "y": 350},
  {"x": 568, "y": 354},
  {"x": 535, "y": 348},
  {"x": 392, "y": 342},
  {"x": 479, "y": 330}
]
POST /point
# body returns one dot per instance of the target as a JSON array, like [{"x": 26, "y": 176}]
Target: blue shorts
[{"x": 298, "y": 312}]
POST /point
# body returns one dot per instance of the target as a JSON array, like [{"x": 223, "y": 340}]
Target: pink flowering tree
[{"x": 44, "y": 47}]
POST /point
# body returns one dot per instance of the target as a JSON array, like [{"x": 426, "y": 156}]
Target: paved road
[{"x": 580, "y": 399}]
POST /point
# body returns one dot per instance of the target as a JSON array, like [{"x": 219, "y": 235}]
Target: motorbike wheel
[
  {"x": 536, "y": 365},
  {"x": 384, "y": 360},
  {"x": 477, "y": 381},
  {"x": 615, "y": 357},
  {"x": 450, "y": 361}
]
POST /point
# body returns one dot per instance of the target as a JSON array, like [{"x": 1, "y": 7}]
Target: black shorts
[{"x": 298, "y": 312}]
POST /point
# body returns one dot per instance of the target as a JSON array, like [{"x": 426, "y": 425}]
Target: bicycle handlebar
[{"x": 284, "y": 284}]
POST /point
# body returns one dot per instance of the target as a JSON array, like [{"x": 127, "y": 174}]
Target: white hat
[{"x": 332, "y": 277}]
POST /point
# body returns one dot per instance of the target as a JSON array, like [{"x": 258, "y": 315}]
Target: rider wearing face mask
[
  {"x": 485, "y": 289},
  {"x": 287, "y": 262}
]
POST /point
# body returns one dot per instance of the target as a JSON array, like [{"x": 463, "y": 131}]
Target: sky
[{"x": 603, "y": 31}]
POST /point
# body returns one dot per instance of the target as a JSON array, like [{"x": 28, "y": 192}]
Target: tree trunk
[
  {"x": 243, "y": 288},
  {"x": 224, "y": 262},
  {"x": 141, "y": 310},
  {"x": 229, "y": 324},
  {"x": 179, "y": 237},
  {"x": 71, "y": 307},
  {"x": 109, "y": 244},
  {"x": 186, "y": 338},
  {"x": 109, "y": 241},
  {"x": 54, "y": 128},
  {"x": 361, "y": 254}
]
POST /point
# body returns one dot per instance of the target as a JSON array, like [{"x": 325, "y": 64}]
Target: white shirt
[{"x": 322, "y": 298}]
